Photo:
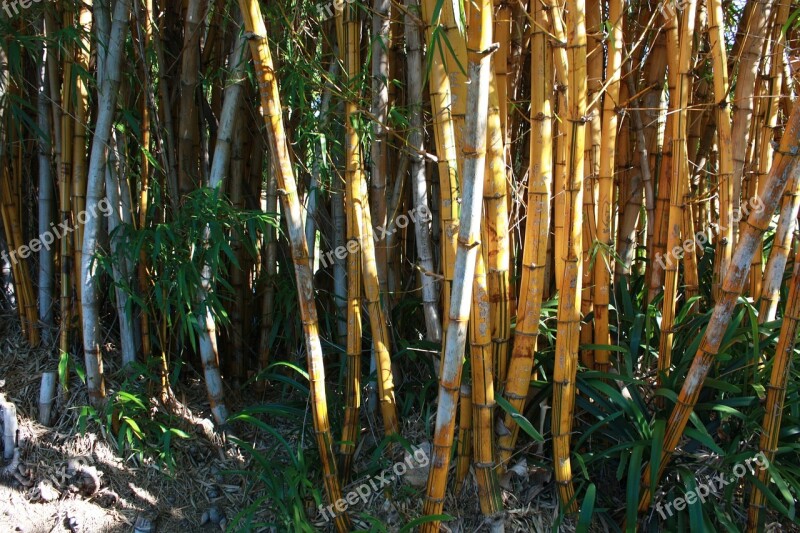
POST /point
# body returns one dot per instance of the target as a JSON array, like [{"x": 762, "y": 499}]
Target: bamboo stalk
[
  {"x": 379, "y": 148},
  {"x": 483, "y": 404},
  {"x": 361, "y": 228},
  {"x": 496, "y": 232},
  {"x": 419, "y": 185},
  {"x": 757, "y": 223},
  {"x": 591, "y": 171},
  {"x": 776, "y": 397},
  {"x": 479, "y": 69},
  {"x": 464, "y": 441},
  {"x": 604, "y": 259},
  {"x": 568, "y": 316},
  {"x": 724, "y": 240},
  {"x": 109, "y": 89},
  {"x": 678, "y": 181},
  {"x": 444, "y": 129},
  {"x": 743, "y": 98},
  {"x": 282, "y": 166},
  {"x": 537, "y": 229},
  {"x": 189, "y": 131}
]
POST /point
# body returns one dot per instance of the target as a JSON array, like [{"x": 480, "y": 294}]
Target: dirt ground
[
  {"x": 69, "y": 480},
  {"x": 53, "y": 487}
]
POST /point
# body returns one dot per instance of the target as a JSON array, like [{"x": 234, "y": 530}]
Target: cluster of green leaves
[
  {"x": 621, "y": 418},
  {"x": 199, "y": 235},
  {"x": 131, "y": 416}
]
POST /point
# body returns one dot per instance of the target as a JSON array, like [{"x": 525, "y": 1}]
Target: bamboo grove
[{"x": 547, "y": 210}]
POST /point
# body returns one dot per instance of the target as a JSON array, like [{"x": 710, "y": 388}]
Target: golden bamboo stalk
[
  {"x": 679, "y": 179},
  {"x": 591, "y": 171},
  {"x": 724, "y": 239},
  {"x": 361, "y": 228},
  {"x": 443, "y": 102},
  {"x": 776, "y": 397},
  {"x": 464, "y": 441},
  {"x": 537, "y": 230},
  {"x": 568, "y": 315},
  {"x": 282, "y": 166},
  {"x": 483, "y": 404},
  {"x": 496, "y": 231},
  {"x": 604, "y": 260},
  {"x": 479, "y": 69},
  {"x": 753, "y": 229}
]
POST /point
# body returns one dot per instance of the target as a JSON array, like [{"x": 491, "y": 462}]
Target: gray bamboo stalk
[
  {"x": 419, "y": 184},
  {"x": 46, "y": 206},
  {"x": 107, "y": 102},
  {"x": 380, "y": 145},
  {"x": 120, "y": 268},
  {"x": 219, "y": 171}
]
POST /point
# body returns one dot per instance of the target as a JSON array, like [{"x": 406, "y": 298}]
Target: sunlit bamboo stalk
[
  {"x": 568, "y": 316},
  {"x": 282, "y": 166},
  {"x": 604, "y": 259},
  {"x": 479, "y": 69},
  {"x": 752, "y": 231},
  {"x": 776, "y": 398},
  {"x": 537, "y": 229},
  {"x": 678, "y": 182}
]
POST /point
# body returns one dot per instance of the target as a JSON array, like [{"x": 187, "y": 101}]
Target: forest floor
[{"x": 71, "y": 476}]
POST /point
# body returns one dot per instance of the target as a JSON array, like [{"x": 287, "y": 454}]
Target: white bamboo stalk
[
  {"x": 107, "y": 103},
  {"x": 9, "y": 428},
  {"x": 219, "y": 170},
  {"x": 119, "y": 264},
  {"x": 47, "y": 393}
]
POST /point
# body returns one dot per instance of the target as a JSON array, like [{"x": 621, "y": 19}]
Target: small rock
[
  {"x": 418, "y": 465},
  {"x": 223, "y": 524},
  {"x": 204, "y": 518},
  {"x": 71, "y": 523},
  {"x": 215, "y": 515},
  {"x": 47, "y": 492},
  {"x": 143, "y": 525}
]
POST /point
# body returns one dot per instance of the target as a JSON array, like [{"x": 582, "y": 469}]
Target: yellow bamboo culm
[
  {"x": 658, "y": 248},
  {"x": 271, "y": 110},
  {"x": 591, "y": 172},
  {"x": 569, "y": 301},
  {"x": 23, "y": 288},
  {"x": 680, "y": 178},
  {"x": 776, "y": 397},
  {"x": 475, "y": 132},
  {"x": 604, "y": 262},
  {"x": 537, "y": 231},
  {"x": 721, "y": 87},
  {"x": 358, "y": 209},
  {"x": 483, "y": 403},
  {"x": 496, "y": 233},
  {"x": 464, "y": 442},
  {"x": 752, "y": 231},
  {"x": 79, "y": 154},
  {"x": 444, "y": 79}
]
